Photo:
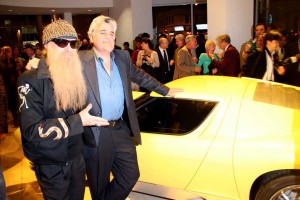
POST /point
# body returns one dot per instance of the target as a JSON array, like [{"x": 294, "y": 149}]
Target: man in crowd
[
  {"x": 127, "y": 48},
  {"x": 292, "y": 75},
  {"x": 180, "y": 42},
  {"x": 111, "y": 148},
  {"x": 51, "y": 127},
  {"x": 251, "y": 44},
  {"x": 229, "y": 65},
  {"x": 186, "y": 58},
  {"x": 32, "y": 61},
  {"x": 166, "y": 69}
]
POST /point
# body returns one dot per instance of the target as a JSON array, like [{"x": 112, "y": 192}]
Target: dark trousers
[
  {"x": 62, "y": 182},
  {"x": 116, "y": 153}
]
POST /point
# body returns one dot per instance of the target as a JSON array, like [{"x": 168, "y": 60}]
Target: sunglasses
[{"x": 63, "y": 43}]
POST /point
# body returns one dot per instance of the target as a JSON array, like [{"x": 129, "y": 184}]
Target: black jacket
[
  {"x": 163, "y": 72},
  {"x": 256, "y": 66},
  {"x": 128, "y": 73},
  {"x": 39, "y": 115}
]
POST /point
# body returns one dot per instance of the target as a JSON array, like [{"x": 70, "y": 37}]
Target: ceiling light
[
  {"x": 9, "y": 10},
  {"x": 52, "y": 10},
  {"x": 89, "y": 10}
]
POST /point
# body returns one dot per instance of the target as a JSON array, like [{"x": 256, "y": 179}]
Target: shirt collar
[
  {"x": 97, "y": 56},
  {"x": 226, "y": 47},
  {"x": 161, "y": 49}
]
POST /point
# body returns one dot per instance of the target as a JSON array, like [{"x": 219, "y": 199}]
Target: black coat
[
  {"x": 129, "y": 73},
  {"x": 256, "y": 66},
  {"x": 39, "y": 115}
]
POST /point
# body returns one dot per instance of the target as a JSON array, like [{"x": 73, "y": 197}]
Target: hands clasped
[{"x": 89, "y": 120}]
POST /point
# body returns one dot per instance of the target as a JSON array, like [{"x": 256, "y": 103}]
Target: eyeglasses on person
[{"x": 62, "y": 43}]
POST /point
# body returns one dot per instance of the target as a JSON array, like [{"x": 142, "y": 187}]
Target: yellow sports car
[{"x": 222, "y": 138}]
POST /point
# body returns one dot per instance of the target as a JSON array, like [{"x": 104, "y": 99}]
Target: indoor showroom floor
[{"x": 20, "y": 180}]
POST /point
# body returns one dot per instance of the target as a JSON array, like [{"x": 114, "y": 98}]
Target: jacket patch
[
  {"x": 49, "y": 131},
  {"x": 53, "y": 129},
  {"x": 23, "y": 91}
]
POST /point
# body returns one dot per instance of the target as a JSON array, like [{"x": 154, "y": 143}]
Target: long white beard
[{"x": 68, "y": 81}]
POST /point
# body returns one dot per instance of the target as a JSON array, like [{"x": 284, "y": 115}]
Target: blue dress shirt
[{"x": 110, "y": 89}]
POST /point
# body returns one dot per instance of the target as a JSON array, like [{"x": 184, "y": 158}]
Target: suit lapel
[
  {"x": 122, "y": 70},
  {"x": 91, "y": 74}
]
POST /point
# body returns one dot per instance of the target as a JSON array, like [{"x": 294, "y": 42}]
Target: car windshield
[{"x": 172, "y": 115}]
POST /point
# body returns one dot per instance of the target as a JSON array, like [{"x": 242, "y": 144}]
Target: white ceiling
[
  {"x": 21, "y": 7},
  {"x": 17, "y": 10}
]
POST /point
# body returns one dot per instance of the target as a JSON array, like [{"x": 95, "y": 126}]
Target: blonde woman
[{"x": 204, "y": 58}]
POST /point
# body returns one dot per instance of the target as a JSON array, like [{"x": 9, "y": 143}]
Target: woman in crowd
[
  {"x": 8, "y": 70},
  {"x": 147, "y": 58},
  {"x": 3, "y": 110},
  {"x": 204, "y": 58}
]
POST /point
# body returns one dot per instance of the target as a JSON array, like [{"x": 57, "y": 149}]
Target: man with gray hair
[
  {"x": 229, "y": 65},
  {"x": 110, "y": 148},
  {"x": 180, "y": 42},
  {"x": 186, "y": 58}
]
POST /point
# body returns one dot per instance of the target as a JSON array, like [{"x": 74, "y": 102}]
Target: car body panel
[
  {"x": 165, "y": 157},
  {"x": 252, "y": 131}
]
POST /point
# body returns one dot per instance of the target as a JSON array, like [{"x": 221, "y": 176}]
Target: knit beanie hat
[{"x": 59, "y": 29}]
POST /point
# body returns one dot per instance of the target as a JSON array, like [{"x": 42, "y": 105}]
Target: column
[
  {"x": 232, "y": 17},
  {"x": 39, "y": 25},
  {"x": 68, "y": 17},
  {"x": 133, "y": 17}
]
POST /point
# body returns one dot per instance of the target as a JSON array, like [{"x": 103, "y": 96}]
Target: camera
[
  {"x": 144, "y": 58},
  {"x": 285, "y": 62}
]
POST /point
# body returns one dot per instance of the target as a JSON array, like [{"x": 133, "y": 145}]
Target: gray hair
[
  {"x": 189, "y": 38},
  {"x": 100, "y": 20},
  {"x": 180, "y": 37},
  {"x": 224, "y": 38}
]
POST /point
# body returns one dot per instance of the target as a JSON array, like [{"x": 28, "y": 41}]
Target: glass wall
[{"x": 283, "y": 15}]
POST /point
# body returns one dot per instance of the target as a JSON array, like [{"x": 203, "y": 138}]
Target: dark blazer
[
  {"x": 38, "y": 116},
  {"x": 255, "y": 65},
  {"x": 185, "y": 63},
  {"x": 128, "y": 73},
  {"x": 229, "y": 65},
  {"x": 292, "y": 74},
  {"x": 163, "y": 72}
]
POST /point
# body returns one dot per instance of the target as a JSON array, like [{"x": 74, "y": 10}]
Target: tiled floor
[{"x": 20, "y": 180}]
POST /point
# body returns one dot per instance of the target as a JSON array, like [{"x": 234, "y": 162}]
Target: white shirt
[
  {"x": 162, "y": 52},
  {"x": 32, "y": 63},
  {"x": 269, "y": 75}
]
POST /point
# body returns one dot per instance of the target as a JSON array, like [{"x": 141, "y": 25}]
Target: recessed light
[
  {"x": 9, "y": 10},
  {"x": 52, "y": 10},
  {"x": 89, "y": 10}
]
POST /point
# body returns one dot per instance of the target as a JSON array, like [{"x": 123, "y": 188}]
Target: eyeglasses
[{"x": 63, "y": 43}]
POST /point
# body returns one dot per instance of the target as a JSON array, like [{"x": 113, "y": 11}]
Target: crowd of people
[
  {"x": 73, "y": 96},
  {"x": 271, "y": 55}
]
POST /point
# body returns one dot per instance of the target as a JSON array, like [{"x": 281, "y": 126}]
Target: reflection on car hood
[{"x": 275, "y": 94}]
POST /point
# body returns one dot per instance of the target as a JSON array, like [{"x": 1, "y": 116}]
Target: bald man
[{"x": 165, "y": 70}]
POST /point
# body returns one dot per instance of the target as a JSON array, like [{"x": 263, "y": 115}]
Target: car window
[{"x": 172, "y": 115}]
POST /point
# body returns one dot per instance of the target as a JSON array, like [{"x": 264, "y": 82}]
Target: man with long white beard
[{"x": 51, "y": 97}]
